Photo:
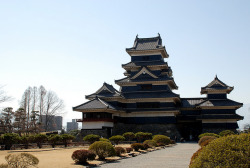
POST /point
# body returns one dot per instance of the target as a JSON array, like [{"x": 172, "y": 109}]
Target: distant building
[
  {"x": 51, "y": 122},
  {"x": 72, "y": 125},
  {"x": 146, "y": 101}
]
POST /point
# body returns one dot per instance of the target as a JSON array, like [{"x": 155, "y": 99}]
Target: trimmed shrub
[
  {"x": 226, "y": 133},
  {"x": 39, "y": 139},
  {"x": 102, "y": 149},
  {"x": 128, "y": 150},
  {"x": 119, "y": 151},
  {"x": 116, "y": 139},
  {"x": 105, "y": 140},
  {"x": 195, "y": 155},
  {"x": 139, "y": 136},
  {"x": 161, "y": 139},
  {"x": 66, "y": 138},
  {"x": 147, "y": 136},
  {"x": 228, "y": 151},
  {"x": 142, "y": 136},
  {"x": 9, "y": 139},
  {"x": 82, "y": 156},
  {"x": 137, "y": 146},
  {"x": 129, "y": 136},
  {"x": 21, "y": 160},
  {"x": 53, "y": 139},
  {"x": 26, "y": 140},
  {"x": 150, "y": 143},
  {"x": 204, "y": 141},
  {"x": 91, "y": 138},
  {"x": 208, "y": 134}
]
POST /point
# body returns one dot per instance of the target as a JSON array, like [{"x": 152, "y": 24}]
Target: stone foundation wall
[{"x": 169, "y": 130}]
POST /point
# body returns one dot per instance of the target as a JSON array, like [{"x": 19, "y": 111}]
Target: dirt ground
[{"x": 49, "y": 157}]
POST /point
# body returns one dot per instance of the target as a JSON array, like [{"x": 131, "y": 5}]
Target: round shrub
[
  {"x": 82, "y": 156},
  {"x": 91, "y": 138},
  {"x": 39, "y": 139},
  {"x": 139, "y": 136},
  {"x": 66, "y": 138},
  {"x": 161, "y": 139},
  {"x": 53, "y": 139},
  {"x": 26, "y": 140},
  {"x": 116, "y": 139},
  {"x": 102, "y": 149},
  {"x": 129, "y": 136},
  {"x": 128, "y": 150},
  {"x": 9, "y": 139},
  {"x": 228, "y": 151},
  {"x": 150, "y": 143},
  {"x": 105, "y": 140},
  {"x": 137, "y": 146},
  {"x": 21, "y": 160},
  {"x": 142, "y": 136},
  {"x": 119, "y": 151},
  {"x": 206, "y": 140},
  {"x": 195, "y": 155},
  {"x": 226, "y": 133},
  {"x": 208, "y": 134}
]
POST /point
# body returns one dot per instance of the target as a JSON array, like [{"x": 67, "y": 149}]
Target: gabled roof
[
  {"x": 106, "y": 87},
  {"x": 148, "y": 44},
  {"x": 94, "y": 104},
  {"x": 144, "y": 70},
  {"x": 105, "y": 91},
  {"x": 216, "y": 86}
]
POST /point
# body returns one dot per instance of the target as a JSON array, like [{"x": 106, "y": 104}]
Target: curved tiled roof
[
  {"x": 96, "y": 103},
  {"x": 215, "y": 86}
]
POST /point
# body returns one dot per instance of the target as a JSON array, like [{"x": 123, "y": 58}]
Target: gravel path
[{"x": 177, "y": 156}]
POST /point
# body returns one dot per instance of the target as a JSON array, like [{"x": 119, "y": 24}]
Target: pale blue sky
[{"x": 72, "y": 47}]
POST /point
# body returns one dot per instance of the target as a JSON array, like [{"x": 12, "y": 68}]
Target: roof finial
[
  {"x": 216, "y": 76},
  {"x": 137, "y": 36},
  {"x": 159, "y": 34}
]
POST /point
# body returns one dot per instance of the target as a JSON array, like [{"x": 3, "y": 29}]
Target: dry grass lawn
[{"x": 52, "y": 158}]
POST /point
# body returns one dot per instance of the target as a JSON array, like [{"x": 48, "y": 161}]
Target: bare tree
[
  {"x": 52, "y": 106},
  {"x": 42, "y": 92},
  {"x": 27, "y": 105},
  {"x": 42, "y": 104},
  {"x": 3, "y": 96}
]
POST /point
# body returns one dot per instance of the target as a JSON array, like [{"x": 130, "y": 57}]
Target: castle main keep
[{"x": 146, "y": 100}]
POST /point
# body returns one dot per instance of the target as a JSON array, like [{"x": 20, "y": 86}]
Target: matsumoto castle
[{"x": 146, "y": 100}]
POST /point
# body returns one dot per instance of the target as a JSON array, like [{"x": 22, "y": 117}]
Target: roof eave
[{"x": 162, "y": 50}]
